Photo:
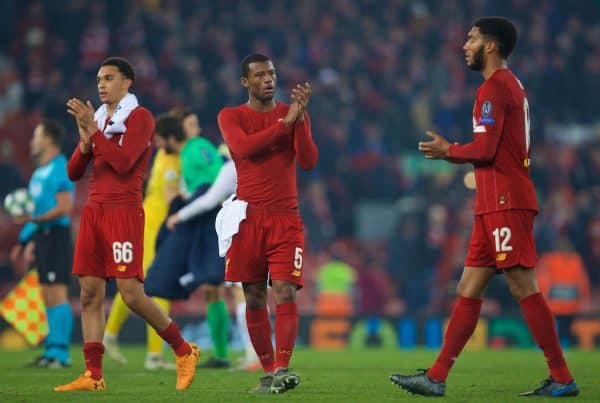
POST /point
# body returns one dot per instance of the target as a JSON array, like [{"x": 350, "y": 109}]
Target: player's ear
[
  {"x": 244, "y": 82},
  {"x": 127, "y": 83},
  {"x": 490, "y": 46}
]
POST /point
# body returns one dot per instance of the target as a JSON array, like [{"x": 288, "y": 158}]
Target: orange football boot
[
  {"x": 186, "y": 367},
  {"x": 84, "y": 382}
]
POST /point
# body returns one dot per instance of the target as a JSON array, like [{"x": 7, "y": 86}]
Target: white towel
[
  {"x": 116, "y": 124},
  {"x": 228, "y": 220}
]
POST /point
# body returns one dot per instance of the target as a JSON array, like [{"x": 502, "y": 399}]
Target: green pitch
[{"x": 349, "y": 376}]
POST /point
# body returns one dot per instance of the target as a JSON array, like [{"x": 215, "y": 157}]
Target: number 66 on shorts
[{"x": 122, "y": 252}]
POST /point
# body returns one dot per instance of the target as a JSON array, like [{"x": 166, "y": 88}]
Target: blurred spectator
[
  {"x": 564, "y": 282},
  {"x": 11, "y": 88},
  {"x": 334, "y": 284}
]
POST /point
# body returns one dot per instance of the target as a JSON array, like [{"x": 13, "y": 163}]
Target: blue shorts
[{"x": 186, "y": 258}]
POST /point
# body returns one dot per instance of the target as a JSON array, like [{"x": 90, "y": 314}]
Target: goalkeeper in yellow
[{"x": 163, "y": 186}]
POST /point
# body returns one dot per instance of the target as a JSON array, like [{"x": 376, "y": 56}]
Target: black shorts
[{"x": 54, "y": 254}]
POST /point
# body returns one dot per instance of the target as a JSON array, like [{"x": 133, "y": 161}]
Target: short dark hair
[
  {"x": 167, "y": 126},
  {"x": 54, "y": 130},
  {"x": 253, "y": 58},
  {"x": 501, "y": 30},
  {"x": 123, "y": 65},
  {"x": 181, "y": 112}
]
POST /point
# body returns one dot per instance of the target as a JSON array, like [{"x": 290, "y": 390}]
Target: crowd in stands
[{"x": 382, "y": 73}]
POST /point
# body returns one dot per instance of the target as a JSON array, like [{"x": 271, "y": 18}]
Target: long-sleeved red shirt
[
  {"x": 500, "y": 150},
  {"x": 118, "y": 163},
  {"x": 265, "y": 151}
]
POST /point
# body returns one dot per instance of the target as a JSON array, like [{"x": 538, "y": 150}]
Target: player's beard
[
  {"x": 265, "y": 98},
  {"x": 262, "y": 97},
  {"x": 477, "y": 64}
]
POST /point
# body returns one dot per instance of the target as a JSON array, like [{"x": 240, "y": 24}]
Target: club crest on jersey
[{"x": 486, "y": 111}]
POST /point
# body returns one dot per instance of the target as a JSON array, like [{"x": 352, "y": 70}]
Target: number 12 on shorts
[{"x": 502, "y": 238}]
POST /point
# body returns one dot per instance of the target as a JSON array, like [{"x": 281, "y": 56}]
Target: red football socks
[
  {"x": 543, "y": 329},
  {"x": 172, "y": 335},
  {"x": 92, "y": 353},
  {"x": 461, "y": 326},
  {"x": 286, "y": 329},
  {"x": 259, "y": 329}
]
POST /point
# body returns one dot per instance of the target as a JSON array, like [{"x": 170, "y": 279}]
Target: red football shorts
[
  {"x": 269, "y": 245},
  {"x": 502, "y": 239},
  {"x": 110, "y": 242}
]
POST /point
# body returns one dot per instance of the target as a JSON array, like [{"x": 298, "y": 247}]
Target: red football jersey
[
  {"x": 264, "y": 151},
  {"x": 500, "y": 150},
  {"x": 119, "y": 163}
]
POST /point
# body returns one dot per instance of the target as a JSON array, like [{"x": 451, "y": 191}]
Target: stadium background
[{"x": 382, "y": 73}]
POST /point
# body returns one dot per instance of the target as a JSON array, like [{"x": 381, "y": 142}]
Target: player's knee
[
  {"x": 462, "y": 288},
  {"x": 132, "y": 292},
  {"x": 516, "y": 291},
  {"x": 53, "y": 299},
  {"x": 255, "y": 299},
  {"x": 255, "y": 295},
  {"x": 284, "y": 292},
  {"x": 211, "y": 294},
  {"x": 54, "y": 295},
  {"x": 130, "y": 297},
  {"x": 238, "y": 295},
  {"x": 521, "y": 286},
  {"x": 520, "y": 291},
  {"x": 212, "y": 298},
  {"x": 91, "y": 297},
  {"x": 469, "y": 290}
]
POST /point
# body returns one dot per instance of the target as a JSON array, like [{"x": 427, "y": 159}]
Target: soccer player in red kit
[
  {"x": 265, "y": 138},
  {"x": 117, "y": 141},
  {"x": 505, "y": 206}
]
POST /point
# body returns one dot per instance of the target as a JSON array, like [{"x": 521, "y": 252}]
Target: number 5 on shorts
[{"x": 298, "y": 258}]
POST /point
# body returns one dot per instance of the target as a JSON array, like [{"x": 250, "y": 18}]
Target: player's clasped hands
[
  {"x": 84, "y": 115},
  {"x": 435, "y": 149},
  {"x": 300, "y": 96}
]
